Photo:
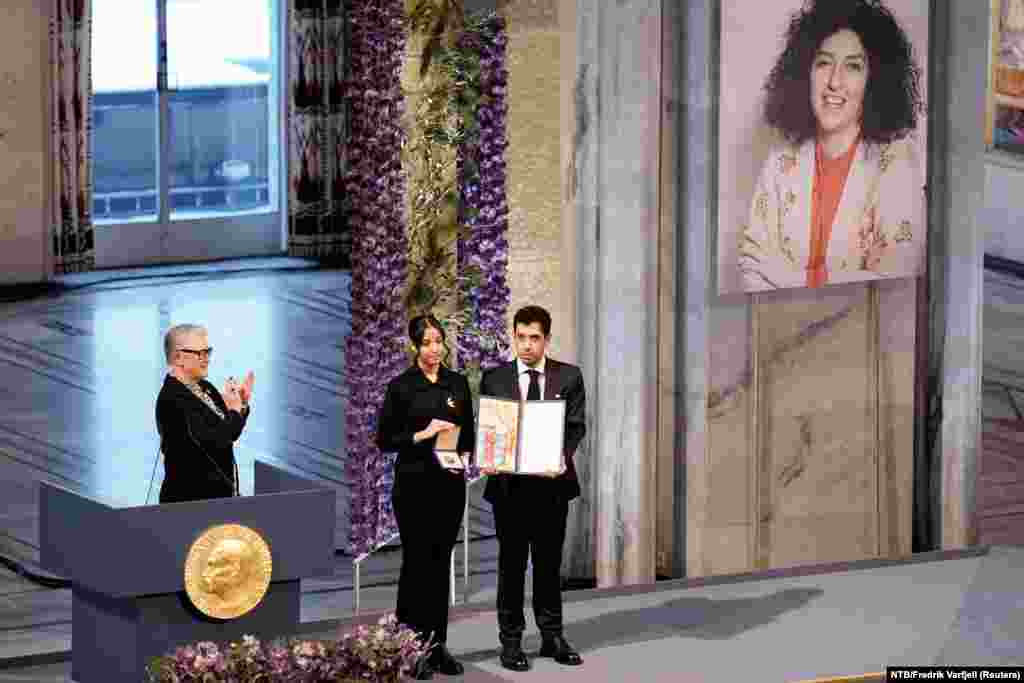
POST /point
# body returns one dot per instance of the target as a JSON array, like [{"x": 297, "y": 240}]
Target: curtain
[
  {"x": 317, "y": 225},
  {"x": 71, "y": 90}
]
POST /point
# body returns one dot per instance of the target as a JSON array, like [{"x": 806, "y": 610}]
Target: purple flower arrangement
[
  {"x": 483, "y": 249},
  {"x": 383, "y": 652},
  {"x": 375, "y": 185},
  {"x": 483, "y": 342},
  {"x": 381, "y": 262}
]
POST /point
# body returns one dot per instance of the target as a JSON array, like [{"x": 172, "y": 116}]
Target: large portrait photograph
[{"x": 822, "y": 142}]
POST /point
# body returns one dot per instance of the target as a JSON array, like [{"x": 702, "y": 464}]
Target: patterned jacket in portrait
[{"x": 879, "y": 227}]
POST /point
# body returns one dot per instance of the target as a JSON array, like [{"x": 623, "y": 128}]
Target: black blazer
[
  {"x": 410, "y": 403},
  {"x": 198, "y": 446},
  {"x": 561, "y": 380}
]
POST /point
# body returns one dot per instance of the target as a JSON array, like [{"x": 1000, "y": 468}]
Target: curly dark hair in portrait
[{"x": 892, "y": 98}]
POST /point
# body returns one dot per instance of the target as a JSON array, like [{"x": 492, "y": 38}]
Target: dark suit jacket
[
  {"x": 198, "y": 446},
  {"x": 561, "y": 380}
]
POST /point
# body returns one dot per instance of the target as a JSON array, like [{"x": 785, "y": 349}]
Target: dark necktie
[{"x": 533, "y": 393}]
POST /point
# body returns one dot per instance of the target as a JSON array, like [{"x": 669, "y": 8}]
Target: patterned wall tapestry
[
  {"x": 70, "y": 214},
  {"x": 317, "y": 225}
]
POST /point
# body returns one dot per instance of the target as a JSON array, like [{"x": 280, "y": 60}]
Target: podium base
[{"x": 112, "y": 639}]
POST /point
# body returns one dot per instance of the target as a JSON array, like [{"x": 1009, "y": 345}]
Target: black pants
[
  {"x": 530, "y": 522},
  {"x": 428, "y": 508}
]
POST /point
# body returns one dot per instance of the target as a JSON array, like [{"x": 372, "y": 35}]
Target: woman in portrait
[
  {"x": 840, "y": 200},
  {"x": 428, "y": 500}
]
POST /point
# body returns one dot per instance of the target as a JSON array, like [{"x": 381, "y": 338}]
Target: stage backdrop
[{"x": 765, "y": 185}]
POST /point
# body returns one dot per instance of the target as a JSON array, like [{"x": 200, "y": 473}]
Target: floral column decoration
[
  {"x": 483, "y": 249},
  {"x": 375, "y": 184}
]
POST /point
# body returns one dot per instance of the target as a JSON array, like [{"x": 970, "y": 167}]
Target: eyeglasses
[{"x": 199, "y": 353}]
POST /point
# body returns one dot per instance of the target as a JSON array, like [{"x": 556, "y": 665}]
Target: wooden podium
[{"x": 126, "y": 567}]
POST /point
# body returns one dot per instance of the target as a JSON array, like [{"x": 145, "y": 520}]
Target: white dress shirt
[{"x": 524, "y": 377}]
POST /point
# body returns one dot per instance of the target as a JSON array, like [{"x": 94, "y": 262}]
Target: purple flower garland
[
  {"x": 485, "y": 209},
  {"x": 375, "y": 184}
]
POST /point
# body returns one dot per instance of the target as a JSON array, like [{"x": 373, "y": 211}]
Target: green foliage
[{"x": 444, "y": 120}]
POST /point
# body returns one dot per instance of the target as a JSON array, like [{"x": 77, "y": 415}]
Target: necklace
[{"x": 201, "y": 394}]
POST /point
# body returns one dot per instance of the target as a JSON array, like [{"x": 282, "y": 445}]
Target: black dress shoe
[
  {"x": 442, "y": 660},
  {"x": 512, "y": 658},
  {"x": 560, "y": 650},
  {"x": 423, "y": 671}
]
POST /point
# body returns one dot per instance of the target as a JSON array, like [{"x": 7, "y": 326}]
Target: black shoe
[
  {"x": 562, "y": 652},
  {"x": 442, "y": 660},
  {"x": 512, "y": 657},
  {"x": 423, "y": 671}
]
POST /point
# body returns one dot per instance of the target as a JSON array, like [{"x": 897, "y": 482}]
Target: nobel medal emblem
[{"x": 227, "y": 571}]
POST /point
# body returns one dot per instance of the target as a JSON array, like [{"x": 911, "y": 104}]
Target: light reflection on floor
[{"x": 81, "y": 374}]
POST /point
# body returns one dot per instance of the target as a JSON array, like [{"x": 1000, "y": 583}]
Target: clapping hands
[
  {"x": 237, "y": 396},
  {"x": 245, "y": 389}
]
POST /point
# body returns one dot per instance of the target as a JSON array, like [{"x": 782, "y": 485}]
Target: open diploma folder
[
  {"x": 520, "y": 437},
  {"x": 446, "y": 449}
]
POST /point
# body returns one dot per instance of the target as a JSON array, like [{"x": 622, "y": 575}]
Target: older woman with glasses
[{"x": 198, "y": 425}]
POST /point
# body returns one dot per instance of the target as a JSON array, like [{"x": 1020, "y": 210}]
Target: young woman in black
[{"x": 428, "y": 499}]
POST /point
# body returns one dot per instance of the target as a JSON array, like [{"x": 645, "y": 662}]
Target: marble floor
[
  {"x": 811, "y": 627},
  {"x": 1000, "y": 490},
  {"x": 80, "y": 367}
]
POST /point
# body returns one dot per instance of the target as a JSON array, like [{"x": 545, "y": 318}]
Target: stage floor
[
  {"x": 80, "y": 369},
  {"x": 956, "y": 612}
]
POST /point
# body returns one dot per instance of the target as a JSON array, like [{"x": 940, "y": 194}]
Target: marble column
[
  {"x": 697, "y": 188},
  {"x": 961, "y": 26},
  {"x": 616, "y": 161}
]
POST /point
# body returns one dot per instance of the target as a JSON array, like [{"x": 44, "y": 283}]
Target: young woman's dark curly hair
[{"x": 892, "y": 98}]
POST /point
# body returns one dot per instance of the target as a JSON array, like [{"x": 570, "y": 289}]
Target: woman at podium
[
  {"x": 425, "y": 407},
  {"x": 198, "y": 425}
]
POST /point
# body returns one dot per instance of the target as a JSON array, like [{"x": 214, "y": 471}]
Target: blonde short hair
[{"x": 174, "y": 335}]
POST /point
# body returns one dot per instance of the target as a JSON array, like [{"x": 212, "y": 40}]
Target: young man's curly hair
[{"x": 892, "y": 98}]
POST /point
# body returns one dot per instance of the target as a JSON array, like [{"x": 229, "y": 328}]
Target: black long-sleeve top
[
  {"x": 198, "y": 446},
  {"x": 410, "y": 403}
]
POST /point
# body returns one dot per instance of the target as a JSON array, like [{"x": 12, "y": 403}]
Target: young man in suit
[{"x": 530, "y": 511}]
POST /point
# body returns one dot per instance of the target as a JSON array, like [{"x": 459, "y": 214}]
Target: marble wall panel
[
  {"x": 534, "y": 166},
  {"x": 669, "y": 432},
  {"x": 720, "y": 471},
  {"x": 897, "y": 403},
  {"x": 696, "y": 209},
  {"x": 816, "y": 421},
  {"x": 964, "y": 26},
  {"x": 24, "y": 102},
  {"x": 816, "y": 445},
  {"x": 578, "y": 558}
]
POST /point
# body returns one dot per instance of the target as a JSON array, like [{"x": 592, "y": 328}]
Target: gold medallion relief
[{"x": 227, "y": 571}]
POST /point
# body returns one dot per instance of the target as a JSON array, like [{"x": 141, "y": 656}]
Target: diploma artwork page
[{"x": 520, "y": 437}]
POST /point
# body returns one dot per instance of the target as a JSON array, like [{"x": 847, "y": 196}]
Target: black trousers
[
  {"x": 530, "y": 522},
  {"x": 428, "y": 508}
]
